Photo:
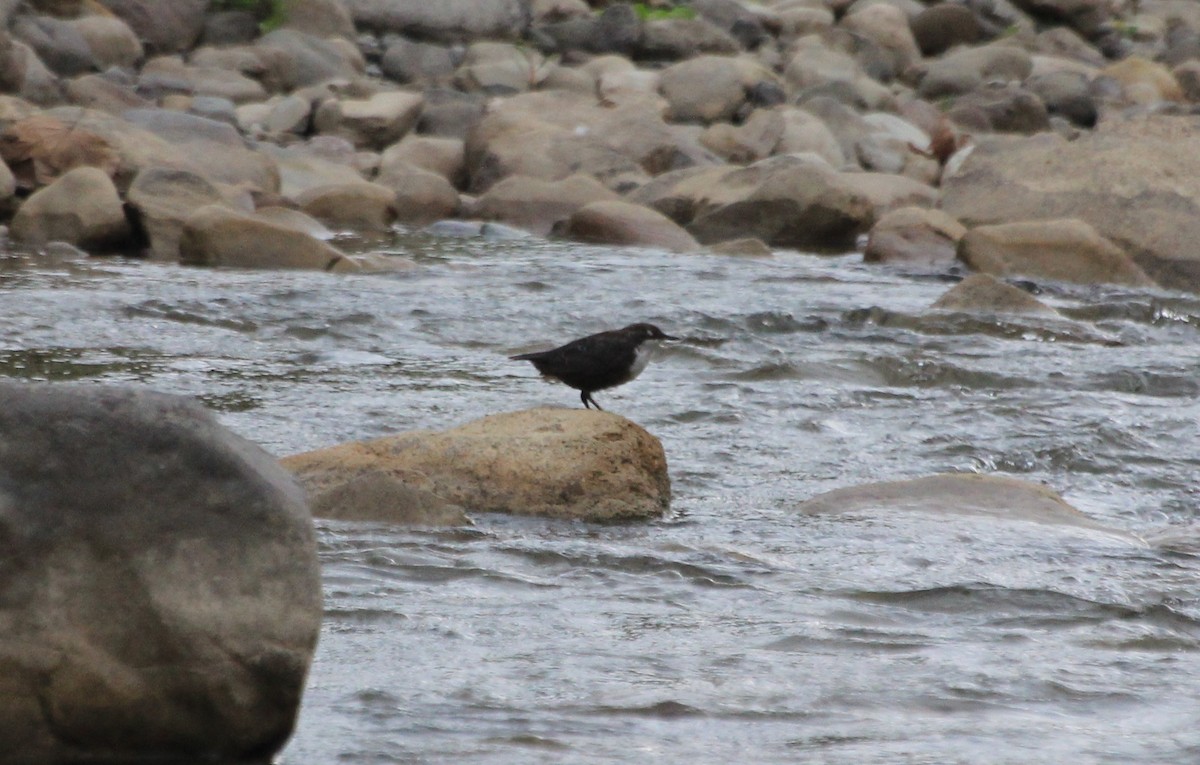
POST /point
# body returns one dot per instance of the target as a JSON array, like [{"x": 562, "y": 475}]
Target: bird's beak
[{"x": 669, "y": 337}]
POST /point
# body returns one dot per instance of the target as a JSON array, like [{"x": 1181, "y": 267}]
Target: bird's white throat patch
[{"x": 642, "y": 357}]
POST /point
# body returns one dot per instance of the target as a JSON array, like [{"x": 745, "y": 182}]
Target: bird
[{"x": 599, "y": 361}]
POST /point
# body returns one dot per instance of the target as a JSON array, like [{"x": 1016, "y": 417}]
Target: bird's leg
[
  {"x": 583, "y": 396},
  {"x": 587, "y": 399}
]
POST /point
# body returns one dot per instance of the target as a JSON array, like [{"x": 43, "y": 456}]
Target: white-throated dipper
[{"x": 599, "y": 361}]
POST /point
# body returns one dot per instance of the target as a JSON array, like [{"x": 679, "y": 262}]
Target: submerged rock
[
  {"x": 162, "y": 595},
  {"x": 561, "y": 463},
  {"x": 960, "y": 494},
  {"x": 381, "y": 498},
  {"x": 982, "y": 292}
]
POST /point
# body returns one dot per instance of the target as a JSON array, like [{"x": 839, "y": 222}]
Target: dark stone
[
  {"x": 1009, "y": 109},
  {"x": 451, "y": 114},
  {"x": 57, "y": 43},
  {"x": 407, "y": 61},
  {"x": 161, "y": 592},
  {"x": 939, "y": 28},
  {"x": 735, "y": 19},
  {"x": 230, "y": 28},
  {"x": 616, "y": 30},
  {"x": 1066, "y": 94},
  {"x": 163, "y": 27}
]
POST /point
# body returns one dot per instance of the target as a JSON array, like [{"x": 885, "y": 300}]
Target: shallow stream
[{"x": 735, "y": 629}]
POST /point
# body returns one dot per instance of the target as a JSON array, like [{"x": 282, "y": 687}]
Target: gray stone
[
  {"x": 451, "y": 114},
  {"x": 214, "y": 147},
  {"x": 735, "y": 18},
  {"x": 962, "y": 494},
  {"x": 784, "y": 202},
  {"x": 1152, "y": 160},
  {"x": 1066, "y": 94},
  {"x": 230, "y": 28},
  {"x": 323, "y": 18},
  {"x": 297, "y": 59},
  {"x": 163, "y": 27},
  {"x": 616, "y": 30},
  {"x": 162, "y": 589},
  {"x": 1068, "y": 250},
  {"x": 408, "y": 61},
  {"x": 1007, "y": 108},
  {"x": 445, "y": 20},
  {"x": 58, "y": 43},
  {"x": 162, "y": 199},
  {"x": 359, "y": 206},
  {"x": 675, "y": 39}
]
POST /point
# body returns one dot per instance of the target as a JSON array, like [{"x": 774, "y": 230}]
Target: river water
[{"x": 735, "y": 629}]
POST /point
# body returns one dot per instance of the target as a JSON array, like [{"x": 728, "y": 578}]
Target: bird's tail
[{"x": 526, "y": 356}]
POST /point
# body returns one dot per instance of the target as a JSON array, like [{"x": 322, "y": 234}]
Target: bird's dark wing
[{"x": 589, "y": 363}]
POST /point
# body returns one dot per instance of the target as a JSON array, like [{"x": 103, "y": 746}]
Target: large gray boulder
[
  {"x": 215, "y": 147},
  {"x": 1136, "y": 181},
  {"x": 784, "y": 201},
  {"x": 160, "y": 595}
]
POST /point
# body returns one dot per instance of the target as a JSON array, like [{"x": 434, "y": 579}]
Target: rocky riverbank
[{"x": 1047, "y": 138}]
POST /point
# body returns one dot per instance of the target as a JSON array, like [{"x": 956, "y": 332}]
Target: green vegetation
[{"x": 646, "y": 13}]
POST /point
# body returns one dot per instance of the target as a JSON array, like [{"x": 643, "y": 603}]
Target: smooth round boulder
[
  {"x": 1144, "y": 81},
  {"x": 161, "y": 589},
  {"x": 710, "y": 88},
  {"x": 784, "y": 201},
  {"x": 623, "y": 223},
  {"x": 421, "y": 196},
  {"x": 537, "y": 205},
  {"x": 1065, "y": 250},
  {"x": 444, "y": 156},
  {"x": 81, "y": 208},
  {"x": 219, "y": 236},
  {"x": 939, "y": 28},
  {"x": 560, "y": 463},
  {"x": 914, "y": 236},
  {"x": 361, "y": 206}
]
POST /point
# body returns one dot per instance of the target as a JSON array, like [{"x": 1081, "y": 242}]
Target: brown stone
[
  {"x": 1064, "y": 250},
  {"x": 562, "y": 463},
  {"x": 987, "y": 294}
]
